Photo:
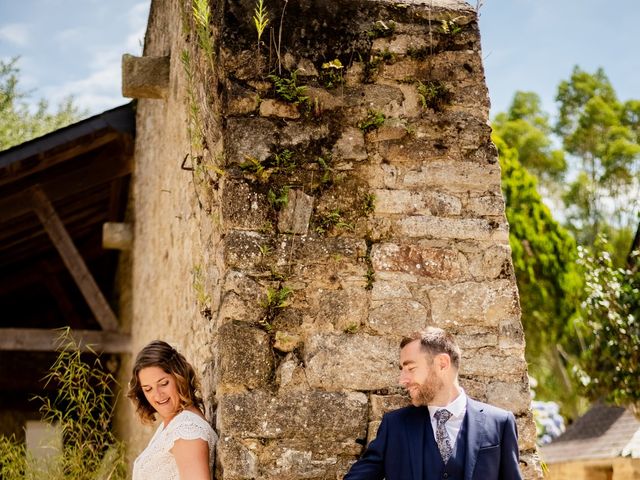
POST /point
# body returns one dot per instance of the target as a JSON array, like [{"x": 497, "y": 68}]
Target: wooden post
[{"x": 72, "y": 259}]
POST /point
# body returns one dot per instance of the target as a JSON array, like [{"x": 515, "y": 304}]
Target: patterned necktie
[{"x": 442, "y": 437}]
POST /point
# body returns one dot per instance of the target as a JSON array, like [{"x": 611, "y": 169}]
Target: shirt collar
[{"x": 457, "y": 407}]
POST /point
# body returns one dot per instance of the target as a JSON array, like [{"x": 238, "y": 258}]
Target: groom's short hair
[{"x": 434, "y": 341}]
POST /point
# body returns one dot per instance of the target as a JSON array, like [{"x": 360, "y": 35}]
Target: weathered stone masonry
[{"x": 304, "y": 237}]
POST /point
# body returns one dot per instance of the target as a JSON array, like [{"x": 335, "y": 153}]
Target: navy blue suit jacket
[{"x": 397, "y": 452}]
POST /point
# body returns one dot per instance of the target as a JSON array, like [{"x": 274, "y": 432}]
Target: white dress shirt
[{"x": 458, "y": 408}]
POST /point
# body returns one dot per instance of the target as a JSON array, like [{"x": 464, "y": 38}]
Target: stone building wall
[{"x": 319, "y": 225}]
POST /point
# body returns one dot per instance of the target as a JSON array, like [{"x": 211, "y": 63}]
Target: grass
[
  {"x": 333, "y": 219},
  {"x": 83, "y": 410},
  {"x": 202, "y": 17},
  {"x": 260, "y": 19}
]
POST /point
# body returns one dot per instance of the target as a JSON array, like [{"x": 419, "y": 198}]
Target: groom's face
[{"x": 418, "y": 374}]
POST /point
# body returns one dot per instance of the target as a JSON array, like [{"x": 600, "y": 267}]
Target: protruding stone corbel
[
  {"x": 117, "y": 236},
  {"x": 145, "y": 77}
]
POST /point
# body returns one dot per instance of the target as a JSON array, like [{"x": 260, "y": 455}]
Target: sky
[{"x": 75, "y": 46}]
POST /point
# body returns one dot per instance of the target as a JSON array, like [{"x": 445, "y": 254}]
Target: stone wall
[{"x": 319, "y": 225}]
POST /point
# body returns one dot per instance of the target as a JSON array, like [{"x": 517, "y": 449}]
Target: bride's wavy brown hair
[{"x": 162, "y": 355}]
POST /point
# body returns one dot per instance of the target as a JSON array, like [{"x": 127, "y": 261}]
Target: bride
[{"x": 164, "y": 383}]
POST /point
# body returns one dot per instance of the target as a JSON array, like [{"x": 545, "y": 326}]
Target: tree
[
  {"x": 544, "y": 258},
  {"x": 603, "y": 137},
  {"x": 609, "y": 325},
  {"x": 525, "y": 127},
  {"x": 17, "y": 122}
]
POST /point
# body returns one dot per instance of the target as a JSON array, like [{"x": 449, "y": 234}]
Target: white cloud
[{"x": 16, "y": 33}]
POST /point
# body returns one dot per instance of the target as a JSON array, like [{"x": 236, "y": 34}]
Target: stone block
[
  {"x": 530, "y": 465},
  {"x": 299, "y": 136},
  {"x": 472, "y": 303},
  {"x": 424, "y": 226},
  {"x": 526, "y": 431},
  {"x": 511, "y": 333},
  {"x": 399, "y": 317},
  {"x": 290, "y": 375},
  {"x": 429, "y": 262},
  {"x": 344, "y": 309},
  {"x": 389, "y": 290},
  {"x": 242, "y": 207},
  {"x": 492, "y": 363},
  {"x": 242, "y": 249},
  {"x": 455, "y": 176},
  {"x": 239, "y": 459},
  {"x": 286, "y": 341},
  {"x": 294, "y": 216},
  {"x": 145, "y": 77},
  {"x": 240, "y": 298},
  {"x": 400, "y": 44},
  {"x": 381, "y": 404},
  {"x": 350, "y": 145},
  {"x": 307, "y": 415},
  {"x": 245, "y": 356},
  {"x": 351, "y": 361},
  {"x": 493, "y": 263},
  {"x": 311, "y": 250},
  {"x": 372, "y": 430},
  {"x": 249, "y": 138},
  {"x": 292, "y": 459},
  {"x": 514, "y": 397},
  {"x": 416, "y": 203},
  {"x": 485, "y": 205},
  {"x": 386, "y": 99},
  {"x": 279, "y": 109},
  {"x": 386, "y": 132},
  {"x": 323, "y": 100}
]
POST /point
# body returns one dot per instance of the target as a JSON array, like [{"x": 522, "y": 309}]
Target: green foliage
[
  {"x": 194, "y": 125},
  {"x": 526, "y": 127},
  {"x": 450, "y": 27},
  {"x": 381, "y": 29},
  {"x": 285, "y": 161},
  {"x": 278, "y": 198},
  {"x": 609, "y": 324},
  {"x": 275, "y": 300},
  {"x": 260, "y": 19},
  {"x": 17, "y": 123},
  {"x": 544, "y": 259},
  {"x": 289, "y": 90},
  {"x": 601, "y": 133},
  {"x": 83, "y": 410},
  {"x": 368, "y": 203},
  {"x": 434, "y": 95},
  {"x": 330, "y": 220},
  {"x": 332, "y": 73},
  {"x": 372, "y": 122}
]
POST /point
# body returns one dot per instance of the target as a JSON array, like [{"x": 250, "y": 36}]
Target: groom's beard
[{"x": 423, "y": 394}]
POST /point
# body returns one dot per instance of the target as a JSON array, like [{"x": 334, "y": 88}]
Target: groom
[{"x": 445, "y": 434}]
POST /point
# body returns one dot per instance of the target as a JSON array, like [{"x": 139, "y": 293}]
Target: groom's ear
[{"x": 442, "y": 361}]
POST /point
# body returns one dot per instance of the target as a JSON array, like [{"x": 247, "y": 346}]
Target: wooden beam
[
  {"x": 98, "y": 170},
  {"x": 73, "y": 260},
  {"x": 44, "y": 340},
  {"x": 43, "y": 161}
]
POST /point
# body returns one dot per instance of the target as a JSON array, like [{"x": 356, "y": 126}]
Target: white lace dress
[{"x": 156, "y": 461}]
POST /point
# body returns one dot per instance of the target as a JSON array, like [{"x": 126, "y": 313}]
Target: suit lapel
[
  {"x": 415, "y": 429},
  {"x": 475, "y": 433}
]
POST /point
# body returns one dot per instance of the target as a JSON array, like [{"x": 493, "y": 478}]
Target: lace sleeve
[{"x": 189, "y": 427}]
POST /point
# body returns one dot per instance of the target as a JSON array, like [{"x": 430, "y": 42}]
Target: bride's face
[{"x": 161, "y": 391}]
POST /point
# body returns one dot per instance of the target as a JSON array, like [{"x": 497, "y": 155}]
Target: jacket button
[{"x": 445, "y": 475}]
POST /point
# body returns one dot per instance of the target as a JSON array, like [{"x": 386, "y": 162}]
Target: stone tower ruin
[{"x": 304, "y": 198}]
